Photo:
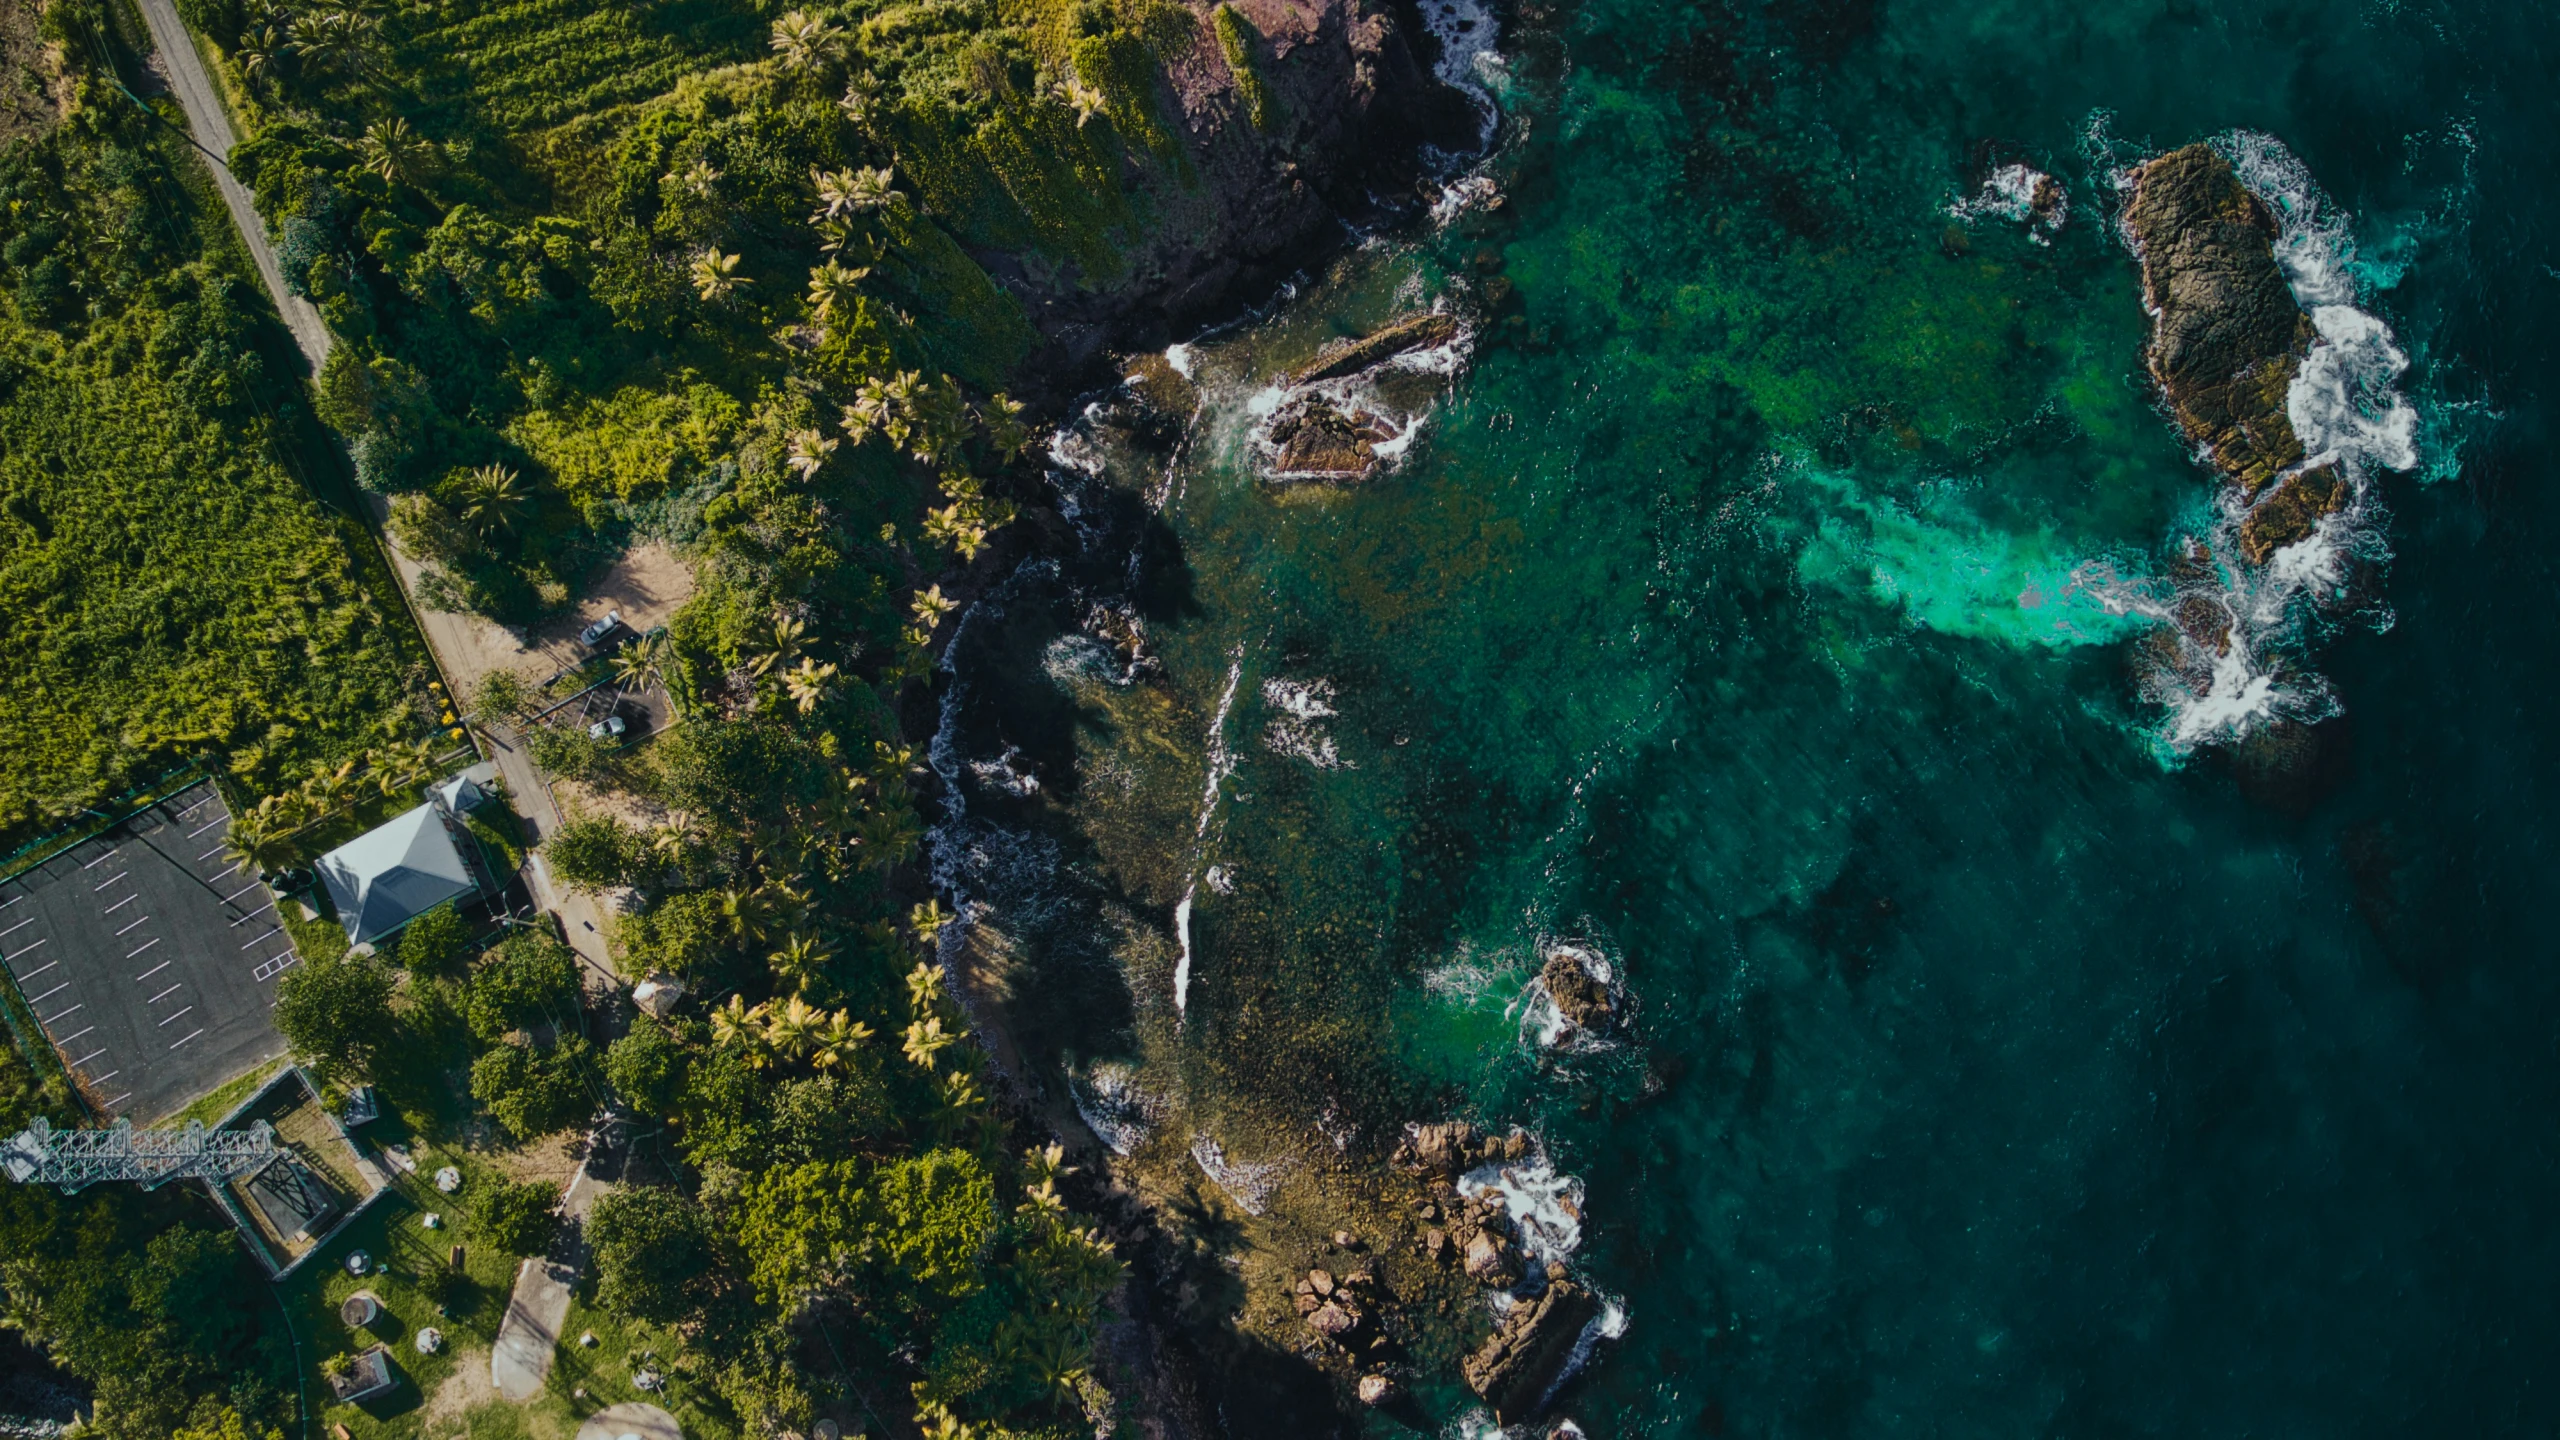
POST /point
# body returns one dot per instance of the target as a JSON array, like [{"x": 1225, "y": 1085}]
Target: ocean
[{"x": 1755, "y": 597}]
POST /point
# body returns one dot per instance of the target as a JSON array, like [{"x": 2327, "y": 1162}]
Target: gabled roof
[{"x": 391, "y": 875}]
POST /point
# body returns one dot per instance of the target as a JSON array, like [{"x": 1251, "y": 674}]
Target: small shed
[
  {"x": 296, "y": 1204},
  {"x": 396, "y": 872},
  {"x": 466, "y": 790}
]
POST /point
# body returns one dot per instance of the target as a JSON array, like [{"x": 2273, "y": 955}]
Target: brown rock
[
  {"x": 1320, "y": 1281},
  {"x": 1345, "y": 1240},
  {"x": 1579, "y": 995},
  {"x": 1435, "y": 1243},
  {"x": 1524, "y": 1358},
  {"x": 1414, "y": 332},
  {"x": 2227, "y": 336},
  {"x": 1490, "y": 1259},
  {"x": 1376, "y": 1389},
  {"x": 2291, "y": 511},
  {"x": 1317, "y": 440},
  {"x": 1332, "y": 1321},
  {"x": 1308, "y": 1304}
]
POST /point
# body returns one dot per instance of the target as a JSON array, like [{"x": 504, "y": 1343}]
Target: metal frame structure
[{"x": 76, "y": 1159}]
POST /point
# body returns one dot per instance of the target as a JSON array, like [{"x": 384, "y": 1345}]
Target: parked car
[
  {"x": 608, "y": 728},
  {"x": 594, "y": 635}
]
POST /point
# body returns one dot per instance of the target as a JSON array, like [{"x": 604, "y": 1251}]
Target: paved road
[
  {"x": 212, "y": 126},
  {"x": 520, "y": 1359}
]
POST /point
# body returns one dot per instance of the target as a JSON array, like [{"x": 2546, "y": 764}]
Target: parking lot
[{"x": 150, "y": 962}]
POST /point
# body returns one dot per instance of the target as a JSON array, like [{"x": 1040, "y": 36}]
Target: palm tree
[
  {"x": 887, "y": 837},
  {"x": 642, "y": 663},
  {"x": 261, "y": 45},
  {"x": 781, "y": 644},
  {"x": 794, "y": 1030},
  {"x": 697, "y": 179},
  {"x": 924, "y": 988},
  {"x": 805, "y": 42},
  {"x": 807, "y": 685},
  {"x": 927, "y": 1039},
  {"x": 743, "y": 914},
  {"x": 927, "y": 921},
  {"x": 737, "y": 1025},
  {"x": 802, "y": 961},
  {"x": 343, "y": 40},
  {"x": 809, "y": 450},
  {"x": 861, "y": 95},
  {"x": 329, "y": 789},
  {"x": 715, "y": 276},
  {"x": 494, "y": 498},
  {"x": 841, "y": 1042},
  {"x": 1083, "y": 99},
  {"x": 831, "y": 288},
  {"x": 931, "y": 605},
  {"x": 393, "y": 151},
  {"x": 254, "y": 843}
]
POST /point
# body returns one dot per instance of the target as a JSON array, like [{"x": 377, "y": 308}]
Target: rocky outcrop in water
[
  {"x": 1528, "y": 1352},
  {"x": 1580, "y": 996},
  {"x": 1316, "y": 439},
  {"x": 1350, "y": 357},
  {"x": 2227, "y": 337},
  {"x": 2291, "y": 511},
  {"x": 1450, "y": 1148}
]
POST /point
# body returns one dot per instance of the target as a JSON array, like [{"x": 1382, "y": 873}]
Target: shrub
[
  {"x": 530, "y": 980},
  {"x": 656, "y": 1256},
  {"x": 337, "y": 1012},
  {"x": 519, "y": 1218},
  {"x": 647, "y": 1069},
  {"x": 435, "y": 943},
  {"x": 530, "y": 1093},
  {"x": 596, "y": 852},
  {"x": 568, "y": 751}
]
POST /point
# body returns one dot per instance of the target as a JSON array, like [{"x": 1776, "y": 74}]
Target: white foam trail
[
  {"x": 1544, "y": 1206},
  {"x": 2013, "y": 192},
  {"x": 1466, "y": 31},
  {"x": 1299, "y": 731},
  {"x": 1220, "y": 765}
]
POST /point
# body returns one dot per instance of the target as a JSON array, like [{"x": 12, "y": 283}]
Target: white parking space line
[
  {"x": 274, "y": 967},
  {"x": 190, "y": 810},
  {"x": 209, "y": 854},
  {"x": 267, "y": 909},
  {"x": 145, "y": 945},
  {"x": 30, "y": 975},
  {"x": 243, "y": 890},
  {"x": 209, "y": 824},
  {"x": 119, "y": 1099},
  {"x": 23, "y": 924},
  {"x": 65, "y": 1041},
  {"x": 268, "y": 936},
  {"x": 40, "y": 940},
  {"x": 190, "y": 1036},
  {"x": 12, "y": 900},
  {"x": 110, "y": 1075},
  {"x": 145, "y": 920},
  {"x": 85, "y": 1059},
  {"x": 129, "y": 899},
  {"x": 182, "y": 1012},
  {"x": 110, "y": 880},
  {"x": 56, "y": 990},
  {"x": 101, "y": 860},
  {"x": 165, "y": 994},
  {"x": 58, "y": 1014},
  {"x": 154, "y": 970}
]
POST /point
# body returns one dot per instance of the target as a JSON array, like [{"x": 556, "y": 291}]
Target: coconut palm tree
[
  {"x": 254, "y": 843},
  {"x": 781, "y": 644},
  {"x": 887, "y": 837},
  {"x": 832, "y": 288},
  {"x": 393, "y": 151},
  {"x": 329, "y": 788},
  {"x": 642, "y": 663},
  {"x": 494, "y": 498},
  {"x": 801, "y": 962},
  {"x": 698, "y": 179},
  {"x": 804, "y": 42},
  {"x": 925, "y": 1040},
  {"x": 861, "y": 97},
  {"x": 927, "y": 921},
  {"x": 715, "y": 276},
  {"x": 807, "y": 685},
  {"x": 737, "y": 1025},
  {"x": 743, "y": 914},
  {"x": 794, "y": 1029},
  {"x": 924, "y": 988},
  {"x": 262, "y": 46},
  {"x": 345, "y": 40},
  {"x": 840, "y": 1045},
  {"x": 808, "y": 452}
]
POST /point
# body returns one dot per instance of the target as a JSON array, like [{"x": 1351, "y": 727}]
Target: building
[{"x": 407, "y": 866}]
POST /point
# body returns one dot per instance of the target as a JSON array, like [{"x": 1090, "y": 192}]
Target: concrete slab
[{"x": 631, "y": 1420}]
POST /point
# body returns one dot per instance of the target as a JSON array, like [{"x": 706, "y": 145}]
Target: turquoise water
[{"x": 1761, "y": 607}]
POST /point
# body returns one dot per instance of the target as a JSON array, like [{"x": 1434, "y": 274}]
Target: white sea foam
[
  {"x": 1180, "y": 358},
  {"x": 2020, "y": 193},
  {"x": 1299, "y": 731},
  {"x": 1249, "y": 1184},
  {"x": 1468, "y": 60},
  {"x": 1545, "y": 1207},
  {"x": 1220, "y": 765},
  {"x": 2345, "y": 407}
]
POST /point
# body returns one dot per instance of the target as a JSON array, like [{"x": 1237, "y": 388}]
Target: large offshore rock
[
  {"x": 1579, "y": 995},
  {"x": 2291, "y": 511},
  {"x": 2227, "y": 337},
  {"x": 1525, "y": 1357},
  {"x": 1350, "y": 357}
]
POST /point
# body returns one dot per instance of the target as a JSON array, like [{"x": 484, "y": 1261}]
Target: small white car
[{"x": 608, "y": 728}]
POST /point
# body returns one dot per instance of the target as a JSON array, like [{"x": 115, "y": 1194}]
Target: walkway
[{"x": 520, "y": 1359}]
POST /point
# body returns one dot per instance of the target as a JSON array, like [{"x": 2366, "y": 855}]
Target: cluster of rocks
[
  {"x": 1473, "y": 1231},
  {"x": 1345, "y": 1311},
  {"x": 2227, "y": 341},
  {"x": 1529, "y": 1350},
  {"x": 1581, "y": 997},
  {"x": 1350, "y": 357},
  {"x": 1314, "y": 438}
]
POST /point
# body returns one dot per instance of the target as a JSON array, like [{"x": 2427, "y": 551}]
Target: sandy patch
[{"x": 467, "y": 1388}]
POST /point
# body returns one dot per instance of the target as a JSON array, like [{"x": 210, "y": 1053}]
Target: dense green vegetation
[{"x": 171, "y": 584}]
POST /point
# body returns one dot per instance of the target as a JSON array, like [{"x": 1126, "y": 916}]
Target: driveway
[{"x": 520, "y": 1359}]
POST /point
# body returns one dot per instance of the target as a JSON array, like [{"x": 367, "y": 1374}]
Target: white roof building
[{"x": 396, "y": 872}]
